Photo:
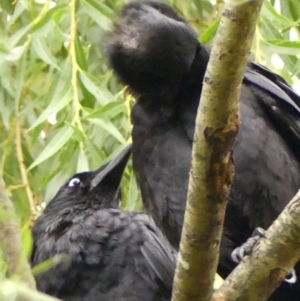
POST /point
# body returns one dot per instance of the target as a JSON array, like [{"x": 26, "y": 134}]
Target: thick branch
[
  {"x": 212, "y": 170},
  {"x": 271, "y": 260},
  {"x": 10, "y": 240}
]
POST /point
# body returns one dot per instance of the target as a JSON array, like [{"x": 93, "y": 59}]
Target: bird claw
[
  {"x": 239, "y": 253},
  {"x": 245, "y": 249},
  {"x": 259, "y": 232}
]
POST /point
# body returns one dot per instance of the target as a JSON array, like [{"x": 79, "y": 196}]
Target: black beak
[{"x": 113, "y": 169}]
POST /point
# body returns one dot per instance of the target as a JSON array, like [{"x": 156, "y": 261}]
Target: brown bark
[
  {"x": 273, "y": 257},
  {"x": 212, "y": 170}
]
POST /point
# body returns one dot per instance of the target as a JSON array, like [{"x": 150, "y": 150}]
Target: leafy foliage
[{"x": 63, "y": 111}]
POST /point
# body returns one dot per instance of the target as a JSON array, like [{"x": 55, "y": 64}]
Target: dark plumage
[
  {"x": 157, "y": 54},
  {"x": 112, "y": 254}
]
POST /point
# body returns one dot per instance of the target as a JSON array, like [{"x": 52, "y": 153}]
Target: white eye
[{"x": 74, "y": 182}]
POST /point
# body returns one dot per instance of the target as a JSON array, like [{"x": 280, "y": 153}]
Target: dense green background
[{"x": 61, "y": 109}]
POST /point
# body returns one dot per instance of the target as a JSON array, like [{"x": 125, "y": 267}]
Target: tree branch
[
  {"x": 212, "y": 169},
  {"x": 11, "y": 241},
  {"x": 23, "y": 171},
  {"x": 273, "y": 257}
]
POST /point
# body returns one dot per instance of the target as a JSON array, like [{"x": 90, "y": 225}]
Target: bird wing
[
  {"x": 162, "y": 173},
  {"x": 279, "y": 101},
  {"x": 160, "y": 255}
]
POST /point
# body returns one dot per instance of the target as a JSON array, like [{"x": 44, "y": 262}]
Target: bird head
[{"x": 94, "y": 188}]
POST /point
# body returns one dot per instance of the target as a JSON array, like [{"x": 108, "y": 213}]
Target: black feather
[
  {"x": 112, "y": 254},
  {"x": 156, "y": 53}
]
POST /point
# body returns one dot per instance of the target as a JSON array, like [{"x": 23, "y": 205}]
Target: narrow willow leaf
[
  {"x": 103, "y": 8},
  {"x": 60, "y": 172},
  {"x": 15, "y": 53},
  {"x": 109, "y": 127},
  {"x": 20, "y": 8},
  {"x": 27, "y": 242},
  {"x": 82, "y": 163},
  {"x": 268, "y": 11},
  {"x": 57, "y": 142},
  {"x": 110, "y": 110},
  {"x": 49, "y": 263},
  {"x": 94, "y": 10},
  {"x": 80, "y": 56},
  {"x": 16, "y": 37},
  {"x": 210, "y": 33},
  {"x": 102, "y": 95},
  {"x": 79, "y": 135},
  {"x": 296, "y": 69},
  {"x": 43, "y": 51},
  {"x": 57, "y": 104},
  {"x": 21, "y": 71},
  {"x": 8, "y": 6},
  {"x": 290, "y": 9},
  {"x": 57, "y": 9},
  {"x": 203, "y": 6},
  {"x": 6, "y": 110},
  {"x": 97, "y": 154},
  {"x": 284, "y": 47},
  {"x": 132, "y": 195}
]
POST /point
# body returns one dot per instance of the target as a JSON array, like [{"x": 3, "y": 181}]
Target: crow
[
  {"x": 109, "y": 254},
  {"x": 157, "y": 54}
]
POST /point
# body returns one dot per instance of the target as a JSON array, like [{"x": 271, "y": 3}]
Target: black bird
[
  {"x": 156, "y": 53},
  {"x": 111, "y": 254}
]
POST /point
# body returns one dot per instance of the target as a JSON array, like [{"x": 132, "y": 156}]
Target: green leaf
[
  {"x": 49, "y": 263},
  {"x": 132, "y": 200},
  {"x": 27, "y": 241},
  {"x": 97, "y": 12},
  {"x": 82, "y": 163},
  {"x": 102, "y": 95},
  {"x": 16, "y": 37},
  {"x": 109, "y": 127},
  {"x": 57, "y": 9},
  {"x": 15, "y": 53},
  {"x": 8, "y": 6},
  {"x": 269, "y": 12},
  {"x": 97, "y": 155},
  {"x": 296, "y": 69},
  {"x": 21, "y": 73},
  {"x": 80, "y": 56},
  {"x": 19, "y": 10},
  {"x": 110, "y": 110},
  {"x": 284, "y": 47},
  {"x": 210, "y": 33},
  {"x": 57, "y": 142},
  {"x": 43, "y": 51},
  {"x": 79, "y": 135},
  {"x": 58, "y": 103}
]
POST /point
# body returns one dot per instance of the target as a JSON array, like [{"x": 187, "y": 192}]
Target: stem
[
  {"x": 75, "y": 66},
  {"x": 23, "y": 171}
]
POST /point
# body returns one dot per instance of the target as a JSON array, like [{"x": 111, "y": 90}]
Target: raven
[
  {"x": 157, "y": 54},
  {"x": 111, "y": 254}
]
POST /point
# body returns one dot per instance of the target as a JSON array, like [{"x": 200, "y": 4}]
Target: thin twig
[{"x": 23, "y": 171}]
